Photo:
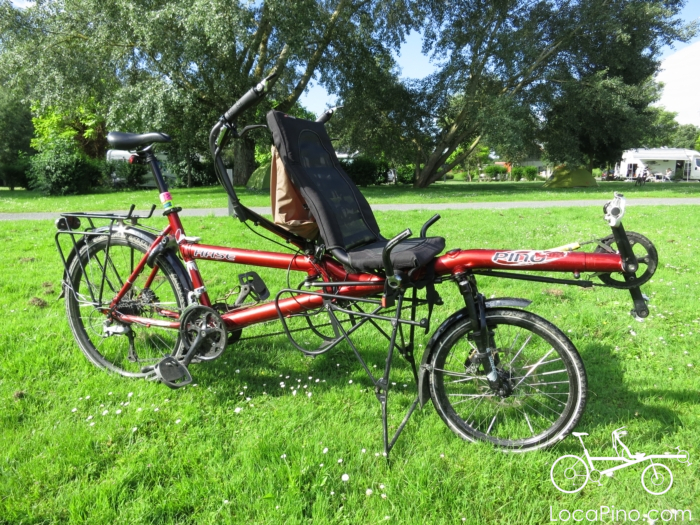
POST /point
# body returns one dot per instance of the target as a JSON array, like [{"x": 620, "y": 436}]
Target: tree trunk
[
  {"x": 243, "y": 160},
  {"x": 188, "y": 158}
]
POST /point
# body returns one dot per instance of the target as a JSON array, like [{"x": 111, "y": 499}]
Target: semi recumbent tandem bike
[{"x": 138, "y": 305}]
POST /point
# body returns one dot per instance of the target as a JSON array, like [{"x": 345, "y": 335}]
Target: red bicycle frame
[{"x": 452, "y": 263}]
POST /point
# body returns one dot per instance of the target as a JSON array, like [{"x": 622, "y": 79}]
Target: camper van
[
  {"x": 116, "y": 155},
  {"x": 683, "y": 163}
]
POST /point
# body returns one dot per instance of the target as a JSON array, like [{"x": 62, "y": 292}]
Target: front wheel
[
  {"x": 543, "y": 378},
  {"x": 657, "y": 479}
]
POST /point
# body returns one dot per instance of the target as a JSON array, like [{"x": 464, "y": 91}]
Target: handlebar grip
[
  {"x": 327, "y": 115},
  {"x": 249, "y": 99}
]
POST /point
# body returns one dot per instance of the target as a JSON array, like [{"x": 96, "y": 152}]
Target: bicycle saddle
[{"x": 120, "y": 140}]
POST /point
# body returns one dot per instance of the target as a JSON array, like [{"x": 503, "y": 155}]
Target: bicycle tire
[
  {"x": 539, "y": 383},
  {"x": 115, "y": 352}
]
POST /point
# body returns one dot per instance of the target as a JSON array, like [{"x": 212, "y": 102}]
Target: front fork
[{"x": 483, "y": 337}]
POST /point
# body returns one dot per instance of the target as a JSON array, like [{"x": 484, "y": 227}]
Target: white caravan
[{"x": 683, "y": 163}]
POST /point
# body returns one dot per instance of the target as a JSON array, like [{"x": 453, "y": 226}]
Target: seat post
[{"x": 151, "y": 159}]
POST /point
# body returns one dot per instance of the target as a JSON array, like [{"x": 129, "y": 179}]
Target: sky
[{"x": 680, "y": 72}]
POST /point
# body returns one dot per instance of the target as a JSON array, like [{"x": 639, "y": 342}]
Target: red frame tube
[{"x": 451, "y": 263}]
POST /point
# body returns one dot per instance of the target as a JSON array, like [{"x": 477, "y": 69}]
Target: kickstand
[{"x": 381, "y": 385}]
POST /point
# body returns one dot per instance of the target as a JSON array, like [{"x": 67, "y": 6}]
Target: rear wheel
[
  {"x": 96, "y": 275},
  {"x": 544, "y": 382}
]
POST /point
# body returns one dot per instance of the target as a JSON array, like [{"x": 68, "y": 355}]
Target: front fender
[
  {"x": 459, "y": 315},
  {"x": 145, "y": 236}
]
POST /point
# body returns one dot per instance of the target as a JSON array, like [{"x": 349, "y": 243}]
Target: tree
[
  {"x": 686, "y": 137},
  {"x": 665, "y": 131},
  {"x": 176, "y": 65},
  {"x": 16, "y": 131},
  {"x": 513, "y": 49},
  {"x": 593, "y": 121}
]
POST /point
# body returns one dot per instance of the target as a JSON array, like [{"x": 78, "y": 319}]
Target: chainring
[
  {"x": 647, "y": 257},
  {"x": 199, "y": 320}
]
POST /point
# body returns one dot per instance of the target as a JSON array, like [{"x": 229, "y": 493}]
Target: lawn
[
  {"x": 79, "y": 445},
  {"x": 23, "y": 201}
]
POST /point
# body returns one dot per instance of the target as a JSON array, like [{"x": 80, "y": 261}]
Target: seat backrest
[{"x": 344, "y": 216}]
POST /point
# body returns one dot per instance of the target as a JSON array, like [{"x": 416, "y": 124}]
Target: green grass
[
  {"x": 22, "y": 201},
  {"x": 196, "y": 460}
]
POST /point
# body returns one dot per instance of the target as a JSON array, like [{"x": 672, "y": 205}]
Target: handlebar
[
  {"x": 428, "y": 224},
  {"x": 393, "y": 280},
  {"x": 249, "y": 99},
  {"x": 327, "y": 115}
]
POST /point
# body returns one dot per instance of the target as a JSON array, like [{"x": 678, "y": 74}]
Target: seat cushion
[{"x": 409, "y": 254}]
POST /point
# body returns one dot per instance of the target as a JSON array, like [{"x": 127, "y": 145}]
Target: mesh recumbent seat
[{"x": 346, "y": 223}]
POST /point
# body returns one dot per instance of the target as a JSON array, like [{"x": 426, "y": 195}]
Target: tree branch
[{"x": 288, "y": 102}]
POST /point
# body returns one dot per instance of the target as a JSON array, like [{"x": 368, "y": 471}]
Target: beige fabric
[{"x": 288, "y": 206}]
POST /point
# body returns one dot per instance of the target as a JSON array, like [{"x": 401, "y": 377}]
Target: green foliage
[
  {"x": 192, "y": 171},
  {"x": 16, "y": 132},
  {"x": 14, "y": 175},
  {"x": 530, "y": 172},
  {"x": 493, "y": 171},
  {"x": 59, "y": 169},
  {"x": 405, "y": 174},
  {"x": 363, "y": 170},
  {"x": 83, "y": 124},
  {"x": 517, "y": 173}
]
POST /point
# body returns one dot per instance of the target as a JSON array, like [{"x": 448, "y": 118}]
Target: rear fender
[
  {"x": 145, "y": 236},
  {"x": 423, "y": 382}
]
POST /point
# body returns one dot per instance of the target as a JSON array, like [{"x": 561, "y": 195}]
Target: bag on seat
[
  {"x": 289, "y": 208},
  {"x": 345, "y": 220}
]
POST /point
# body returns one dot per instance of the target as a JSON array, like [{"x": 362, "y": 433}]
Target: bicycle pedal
[
  {"x": 252, "y": 284},
  {"x": 172, "y": 373}
]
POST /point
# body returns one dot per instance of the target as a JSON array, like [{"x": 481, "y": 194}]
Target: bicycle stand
[{"x": 381, "y": 384}]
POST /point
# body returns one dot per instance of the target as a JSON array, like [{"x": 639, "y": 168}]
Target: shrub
[
  {"x": 405, "y": 174},
  {"x": 494, "y": 171},
  {"x": 201, "y": 171},
  {"x": 15, "y": 175},
  {"x": 59, "y": 169},
  {"x": 517, "y": 173},
  {"x": 363, "y": 171},
  {"x": 531, "y": 172}
]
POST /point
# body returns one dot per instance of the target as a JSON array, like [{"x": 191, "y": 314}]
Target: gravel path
[{"x": 222, "y": 212}]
